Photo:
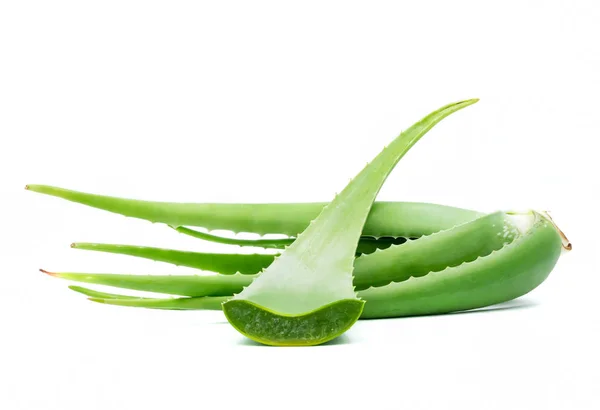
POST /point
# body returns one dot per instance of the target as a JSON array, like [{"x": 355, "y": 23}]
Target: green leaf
[
  {"x": 395, "y": 219},
  {"x": 306, "y": 296}
]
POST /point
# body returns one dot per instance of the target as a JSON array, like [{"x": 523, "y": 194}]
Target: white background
[{"x": 280, "y": 101}]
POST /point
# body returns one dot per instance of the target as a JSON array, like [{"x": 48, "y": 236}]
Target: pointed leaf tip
[
  {"x": 53, "y": 274},
  {"x": 468, "y": 102},
  {"x": 34, "y": 187}
]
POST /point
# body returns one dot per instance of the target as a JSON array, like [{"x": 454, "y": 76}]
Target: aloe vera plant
[{"x": 459, "y": 259}]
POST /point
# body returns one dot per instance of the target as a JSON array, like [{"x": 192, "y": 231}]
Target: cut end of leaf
[{"x": 313, "y": 328}]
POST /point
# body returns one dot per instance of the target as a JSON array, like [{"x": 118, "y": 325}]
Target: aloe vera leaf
[
  {"x": 366, "y": 245},
  {"x": 181, "y": 303},
  {"x": 512, "y": 271},
  {"x": 212, "y": 303},
  {"x": 102, "y": 295},
  {"x": 208, "y": 285},
  {"x": 224, "y": 263},
  {"x": 215, "y": 262},
  {"x": 276, "y": 243},
  {"x": 505, "y": 274},
  {"x": 178, "y": 285},
  {"x": 207, "y": 303},
  {"x": 306, "y": 296},
  {"x": 435, "y": 252},
  {"x": 395, "y": 219}
]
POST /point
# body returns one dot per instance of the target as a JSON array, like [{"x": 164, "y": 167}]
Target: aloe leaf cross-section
[{"x": 306, "y": 296}]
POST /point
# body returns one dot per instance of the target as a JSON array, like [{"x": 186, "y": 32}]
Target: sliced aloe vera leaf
[
  {"x": 395, "y": 219},
  {"x": 215, "y": 262},
  {"x": 306, "y": 296}
]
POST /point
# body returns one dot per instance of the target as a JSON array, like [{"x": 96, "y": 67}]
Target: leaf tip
[
  {"x": 34, "y": 187},
  {"x": 53, "y": 274},
  {"x": 468, "y": 102}
]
